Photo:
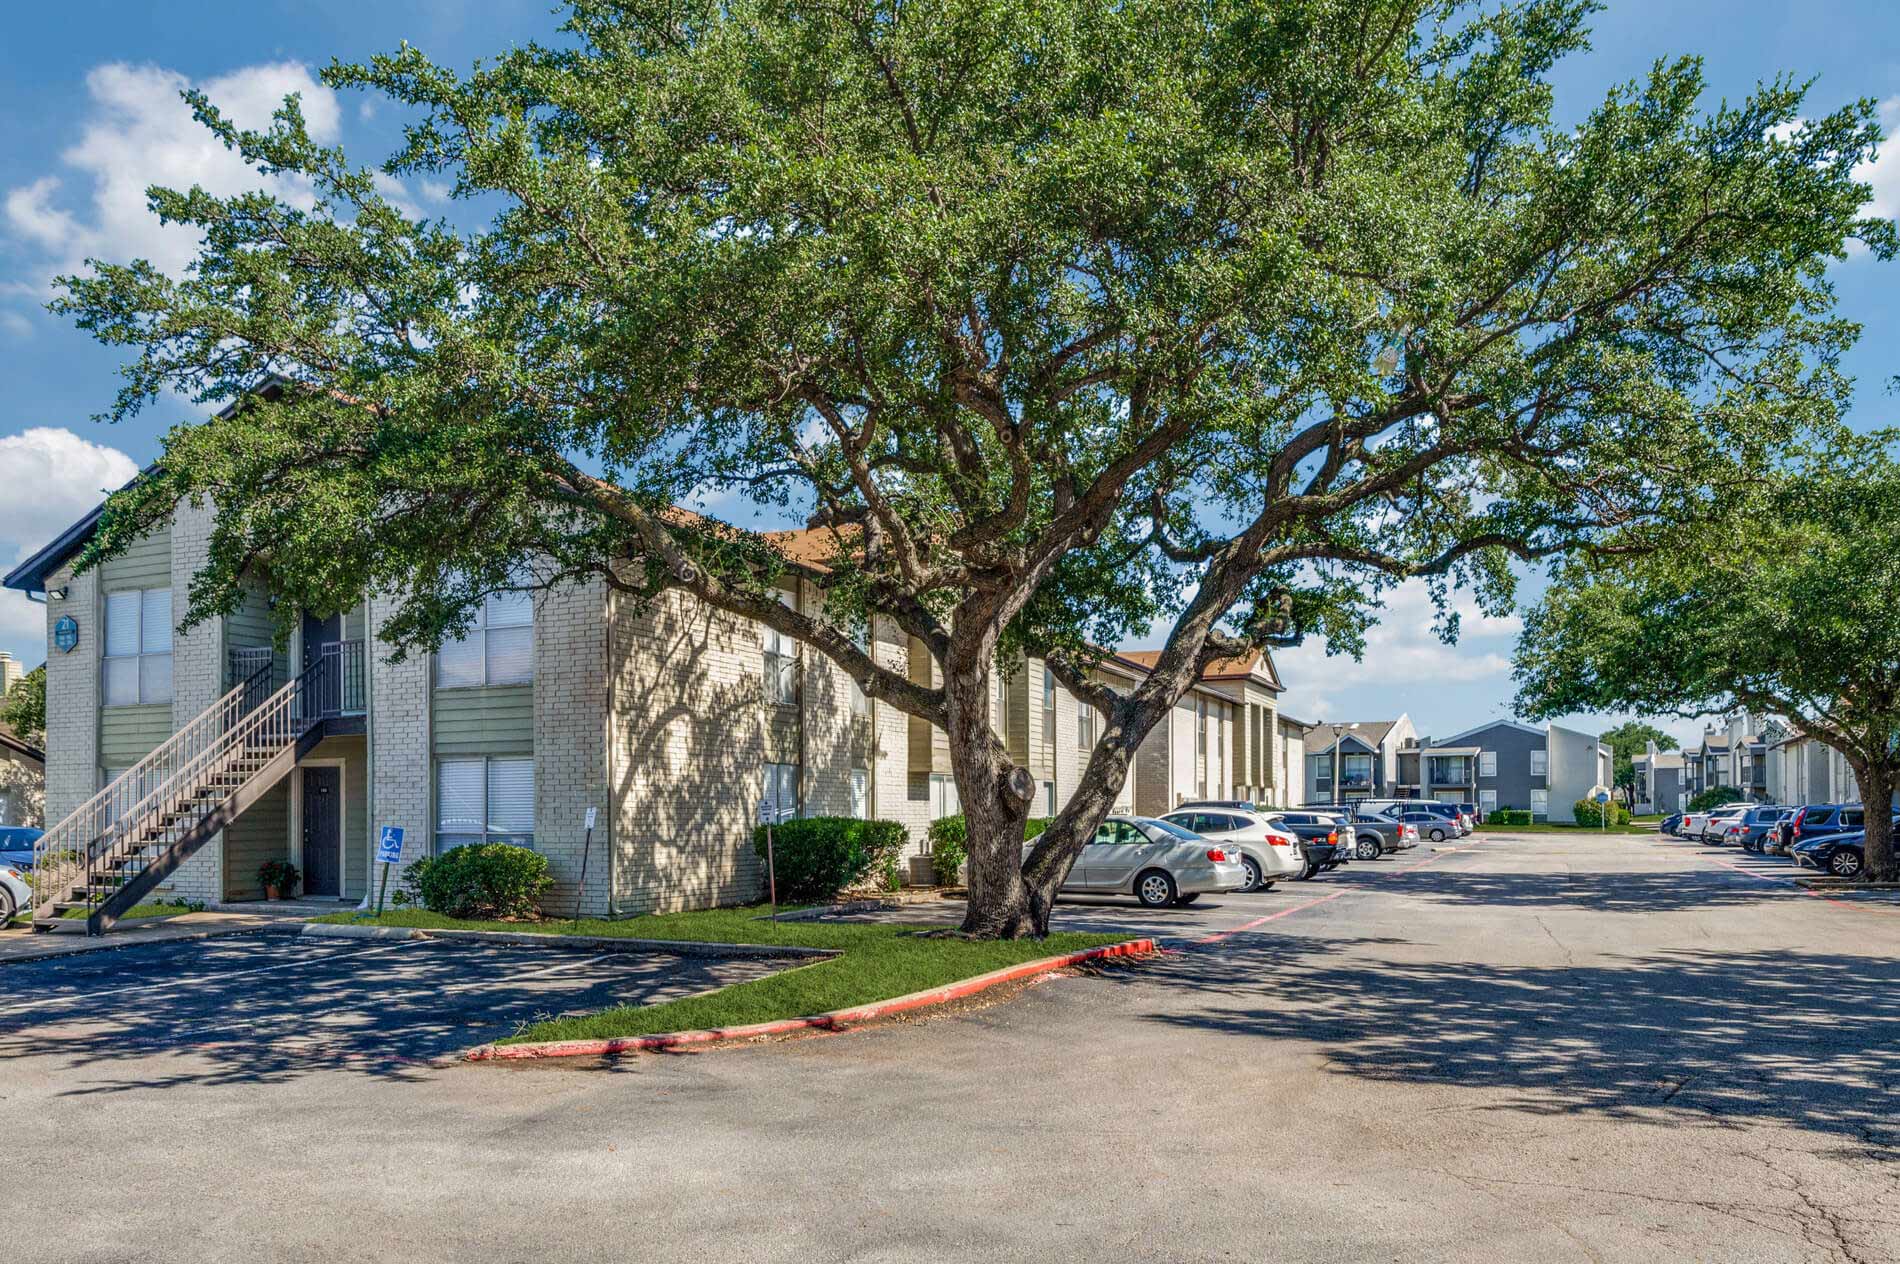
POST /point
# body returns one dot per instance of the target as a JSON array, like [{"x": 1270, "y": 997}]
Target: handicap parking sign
[{"x": 389, "y": 845}]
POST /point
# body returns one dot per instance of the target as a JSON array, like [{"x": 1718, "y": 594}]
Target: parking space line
[
  {"x": 173, "y": 984},
  {"x": 1787, "y": 881}
]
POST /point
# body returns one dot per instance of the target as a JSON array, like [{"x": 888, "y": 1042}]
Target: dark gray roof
[{"x": 1371, "y": 732}]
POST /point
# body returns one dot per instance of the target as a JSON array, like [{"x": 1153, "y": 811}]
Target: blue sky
[{"x": 89, "y": 89}]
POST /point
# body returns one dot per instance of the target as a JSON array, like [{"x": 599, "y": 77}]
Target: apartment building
[
  {"x": 1658, "y": 781},
  {"x": 669, "y": 728},
  {"x": 1508, "y": 765},
  {"x": 1357, "y": 759}
]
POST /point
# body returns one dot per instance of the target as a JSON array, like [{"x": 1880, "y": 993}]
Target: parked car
[
  {"x": 1461, "y": 824},
  {"x": 1691, "y": 824},
  {"x": 1669, "y": 823},
  {"x": 1268, "y": 852},
  {"x": 1437, "y": 826},
  {"x": 15, "y": 892},
  {"x": 1816, "y": 819},
  {"x": 1320, "y": 839},
  {"x": 1715, "y": 828},
  {"x": 1375, "y": 834},
  {"x": 1244, "y": 805},
  {"x": 1843, "y": 855},
  {"x": 16, "y": 845},
  {"x": 1749, "y": 830},
  {"x": 1157, "y": 862}
]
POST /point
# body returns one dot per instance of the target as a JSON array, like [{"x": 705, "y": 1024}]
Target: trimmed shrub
[
  {"x": 818, "y": 856},
  {"x": 1509, "y": 816},
  {"x": 486, "y": 881},
  {"x": 950, "y": 843},
  {"x": 1715, "y": 797},
  {"x": 949, "y": 838},
  {"x": 1590, "y": 812}
]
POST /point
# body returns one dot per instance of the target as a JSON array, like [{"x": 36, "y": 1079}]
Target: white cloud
[
  {"x": 1402, "y": 651},
  {"x": 54, "y": 478},
  {"x": 138, "y": 133},
  {"x": 1883, "y": 170},
  {"x": 15, "y": 325}
]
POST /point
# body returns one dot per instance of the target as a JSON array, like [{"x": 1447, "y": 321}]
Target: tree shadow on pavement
[
  {"x": 268, "y": 1009},
  {"x": 1593, "y": 892},
  {"x": 1808, "y": 1039}
]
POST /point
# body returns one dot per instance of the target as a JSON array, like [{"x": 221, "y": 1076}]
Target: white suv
[{"x": 1268, "y": 852}]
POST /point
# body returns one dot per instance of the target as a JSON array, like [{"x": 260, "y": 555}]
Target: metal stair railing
[{"x": 104, "y": 842}]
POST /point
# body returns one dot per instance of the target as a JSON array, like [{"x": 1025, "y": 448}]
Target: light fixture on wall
[{"x": 56, "y": 594}]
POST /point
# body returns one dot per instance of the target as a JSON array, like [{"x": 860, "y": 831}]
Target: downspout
[
  {"x": 369, "y": 760},
  {"x": 609, "y": 748}
]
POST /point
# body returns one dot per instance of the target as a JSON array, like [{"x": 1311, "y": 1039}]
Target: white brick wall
[
  {"x": 570, "y": 744},
  {"x": 197, "y": 682},
  {"x": 400, "y": 771},
  {"x": 72, "y": 696}
]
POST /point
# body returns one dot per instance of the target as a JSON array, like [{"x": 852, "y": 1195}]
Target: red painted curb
[{"x": 836, "y": 1020}]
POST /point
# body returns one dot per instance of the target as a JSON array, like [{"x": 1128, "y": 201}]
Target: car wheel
[
  {"x": 1187, "y": 899},
  {"x": 6, "y": 906},
  {"x": 1437, "y": 836},
  {"x": 1252, "y": 867},
  {"x": 1844, "y": 864},
  {"x": 1365, "y": 847},
  {"x": 1155, "y": 889},
  {"x": 1331, "y": 865},
  {"x": 1266, "y": 886},
  {"x": 1308, "y": 870}
]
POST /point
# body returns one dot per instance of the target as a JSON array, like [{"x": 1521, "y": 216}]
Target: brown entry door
[{"x": 323, "y": 831}]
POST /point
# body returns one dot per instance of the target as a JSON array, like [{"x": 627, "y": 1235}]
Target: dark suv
[
  {"x": 1755, "y": 827},
  {"x": 1319, "y": 835},
  {"x": 1817, "y": 819}
]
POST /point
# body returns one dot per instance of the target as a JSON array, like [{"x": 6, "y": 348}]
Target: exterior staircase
[{"x": 108, "y": 854}]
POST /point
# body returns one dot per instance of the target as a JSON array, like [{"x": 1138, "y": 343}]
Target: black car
[
  {"x": 1843, "y": 855},
  {"x": 1670, "y": 822},
  {"x": 1319, "y": 839}
]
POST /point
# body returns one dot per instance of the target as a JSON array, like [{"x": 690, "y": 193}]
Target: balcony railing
[{"x": 340, "y": 688}]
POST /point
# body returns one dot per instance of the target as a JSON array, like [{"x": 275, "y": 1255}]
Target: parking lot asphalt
[
  {"x": 1537, "y": 1048},
  {"x": 265, "y": 1005}
]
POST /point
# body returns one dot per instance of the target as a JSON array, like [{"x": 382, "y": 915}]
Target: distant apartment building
[
  {"x": 1658, "y": 783},
  {"x": 1508, "y": 765},
  {"x": 1358, "y": 759},
  {"x": 11, "y": 672}
]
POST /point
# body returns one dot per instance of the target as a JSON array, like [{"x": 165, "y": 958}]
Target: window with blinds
[
  {"x": 781, "y": 666},
  {"x": 1048, "y": 706},
  {"x": 138, "y": 647},
  {"x": 944, "y": 800},
  {"x": 861, "y": 793},
  {"x": 484, "y": 800},
  {"x": 780, "y": 793},
  {"x": 498, "y": 650}
]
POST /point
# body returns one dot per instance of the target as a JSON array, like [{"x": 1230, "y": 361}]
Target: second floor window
[
  {"x": 1048, "y": 705},
  {"x": 1085, "y": 725},
  {"x": 498, "y": 650},
  {"x": 1487, "y": 763},
  {"x": 138, "y": 647},
  {"x": 1538, "y": 762},
  {"x": 781, "y": 666}
]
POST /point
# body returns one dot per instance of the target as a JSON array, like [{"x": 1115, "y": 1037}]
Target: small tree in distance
[
  {"x": 1064, "y": 320},
  {"x": 1783, "y": 606}
]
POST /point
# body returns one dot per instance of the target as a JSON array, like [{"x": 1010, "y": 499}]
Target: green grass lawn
[
  {"x": 138, "y": 910},
  {"x": 879, "y": 961}
]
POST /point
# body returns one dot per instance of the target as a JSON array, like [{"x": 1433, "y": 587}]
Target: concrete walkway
[{"x": 22, "y": 943}]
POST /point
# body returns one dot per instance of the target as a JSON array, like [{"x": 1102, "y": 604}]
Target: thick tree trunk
[
  {"x": 995, "y": 794},
  {"x": 1875, "y": 779}
]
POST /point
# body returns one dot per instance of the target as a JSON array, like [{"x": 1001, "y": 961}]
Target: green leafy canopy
[{"x": 1065, "y": 319}]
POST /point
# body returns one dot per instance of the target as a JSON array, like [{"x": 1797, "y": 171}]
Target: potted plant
[{"x": 279, "y": 879}]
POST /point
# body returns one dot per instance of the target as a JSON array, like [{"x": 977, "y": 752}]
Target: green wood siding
[
  {"x": 129, "y": 734},
  {"x": 497, "y": 720},
  {"x": 147, "y": 564},
  {"x": 262, "y": 833},
  {"x": 253, "y": 625}
]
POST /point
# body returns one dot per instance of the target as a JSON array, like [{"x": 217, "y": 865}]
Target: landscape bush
[
  {"x": 485, "y": 881},
  {"x": 1590, "y": 812},
  {"x": 816, "y": 857},
  {"x": 1715, "y": 797},
  {"x": 1509, "y": 816},
  {"x": 949, "y": 844}
]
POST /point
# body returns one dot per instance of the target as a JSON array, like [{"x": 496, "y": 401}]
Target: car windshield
[{"x": 1169, "y": 827}]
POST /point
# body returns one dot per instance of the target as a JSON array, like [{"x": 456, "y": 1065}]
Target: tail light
[
  {"x": 1217, "y": 855},
  {"x": 1332, "y": 836},
  {"x": 1278, "y": 840}
]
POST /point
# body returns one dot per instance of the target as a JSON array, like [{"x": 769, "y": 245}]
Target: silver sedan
[{"x": 1156, "y": 862}]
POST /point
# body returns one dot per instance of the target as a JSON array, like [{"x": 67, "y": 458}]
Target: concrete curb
[
  {"x": 835, "y": 1020},
  {"x": 610, "y": 943}
]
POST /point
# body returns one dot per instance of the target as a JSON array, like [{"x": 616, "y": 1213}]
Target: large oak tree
[
  {"x": 1785, "y": 605},
  {"x": 1062, "y": 319}
]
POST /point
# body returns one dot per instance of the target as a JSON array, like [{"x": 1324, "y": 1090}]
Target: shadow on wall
[
  {"x": 692, "y": 734},
  {"x": 1807, "y": 1039}
]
